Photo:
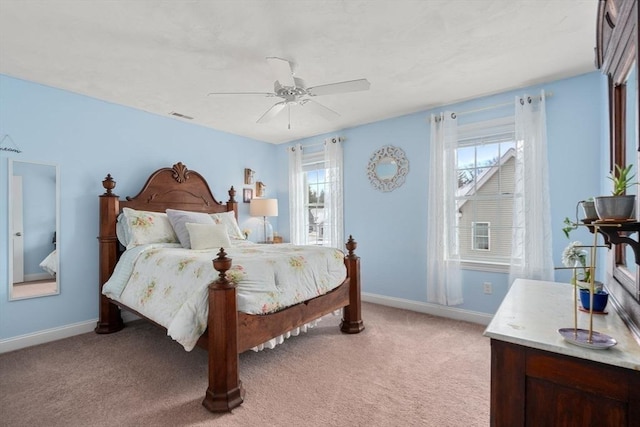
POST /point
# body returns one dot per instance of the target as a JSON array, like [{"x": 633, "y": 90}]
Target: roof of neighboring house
[{"x": 471, "y": 188}]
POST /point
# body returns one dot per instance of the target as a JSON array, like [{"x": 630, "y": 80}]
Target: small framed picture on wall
[
  {"x": 247, "y": 195},
  {"x": 248, "y": 176}
]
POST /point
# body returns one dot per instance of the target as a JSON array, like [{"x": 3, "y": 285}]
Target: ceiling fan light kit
[{"x": 294, "y": 91}]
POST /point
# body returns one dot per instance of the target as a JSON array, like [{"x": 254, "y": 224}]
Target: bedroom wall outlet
[{"x": 487, "y": 288}]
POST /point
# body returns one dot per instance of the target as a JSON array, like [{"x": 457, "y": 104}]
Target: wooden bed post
[
  {"x": 109, "y": 317},
  {"x": 352, "y": 314},
  {"x": 225, "y": 390}
]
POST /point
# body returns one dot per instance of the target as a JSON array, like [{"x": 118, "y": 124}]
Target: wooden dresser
[{"x": 539, "y": 379}]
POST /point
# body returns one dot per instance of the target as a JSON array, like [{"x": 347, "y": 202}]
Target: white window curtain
[
  {"x": 296, "y": 196},
  {"x": 443, "y": 263},
  {"x": 333, "y": 198},
  {"x": 531, "y": 255}
]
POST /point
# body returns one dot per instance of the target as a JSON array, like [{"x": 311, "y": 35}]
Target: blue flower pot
[{"x": 600, "y": 300}]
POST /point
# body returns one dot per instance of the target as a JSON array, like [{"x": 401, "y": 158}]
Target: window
[
  {"x": 480, "y": 236},
  {"x": 315, "y": 194},
  {"x": 485, "y": 171},
  {"x": 315, "y": 185}
]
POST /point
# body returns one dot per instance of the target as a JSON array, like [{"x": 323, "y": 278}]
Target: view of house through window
[
  {"x": 481, "y": 236},
  {"x": 485, "y": 170},
  {"x": 314, "y": 184}
]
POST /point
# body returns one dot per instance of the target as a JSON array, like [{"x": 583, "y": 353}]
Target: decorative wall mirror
[
  {"x": 387, "y": 168},
  {"x": 34, "y": 223}
]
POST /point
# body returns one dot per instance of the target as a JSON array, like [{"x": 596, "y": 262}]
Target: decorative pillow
[
  {"x": 145, "y": 227},
  {"x": 208, "y": 236},
  {"x": 178, "y": 219},
  {"x": 229, "y": 220}
]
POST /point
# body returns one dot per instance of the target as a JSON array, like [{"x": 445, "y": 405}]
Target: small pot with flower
[
  {"x": 575, "y": 256},
  {"x": 619, "y": 206}
]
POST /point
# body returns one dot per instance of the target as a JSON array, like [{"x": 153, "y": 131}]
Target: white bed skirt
[{"x": 273, "y": 342}]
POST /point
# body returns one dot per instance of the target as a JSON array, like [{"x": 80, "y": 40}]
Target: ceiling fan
[{"x": 293, "y": 91}]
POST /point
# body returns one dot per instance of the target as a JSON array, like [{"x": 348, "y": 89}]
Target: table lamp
[{"x": 264, "y": 208}]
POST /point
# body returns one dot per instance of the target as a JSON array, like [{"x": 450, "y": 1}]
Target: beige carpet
[{"x": 405, "y": 369}]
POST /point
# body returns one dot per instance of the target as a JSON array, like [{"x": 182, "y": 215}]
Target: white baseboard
[
  {"x": 46, "y": 335},
  {"x": 54, "y": 334},
  {"x": 428, "y": 308}
]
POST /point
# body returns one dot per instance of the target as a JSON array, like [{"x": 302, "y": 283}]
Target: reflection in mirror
[
  {"x": 34, "y": 205},
  {"x": 631, "y": 155},
  {"x": 386, "y": 168}
]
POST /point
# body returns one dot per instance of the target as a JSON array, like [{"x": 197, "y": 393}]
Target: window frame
[
  {"x": 475, "y": 236},
  {"x": 313, "y": 161},
  {"x": 476, "y": 134}
]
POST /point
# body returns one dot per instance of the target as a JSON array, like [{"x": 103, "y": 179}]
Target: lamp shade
[{"x": 263, "y": 207}]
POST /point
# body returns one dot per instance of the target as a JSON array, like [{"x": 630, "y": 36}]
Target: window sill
[{"x": 491, "y": 267}]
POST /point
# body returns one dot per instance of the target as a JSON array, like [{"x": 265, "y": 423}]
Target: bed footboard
[{"x": 223, "y": 339}]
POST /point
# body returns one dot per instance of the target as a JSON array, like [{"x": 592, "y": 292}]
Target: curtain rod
[
  {"x": 504, "y": 104},
  {"x": 491, "y": 107},
  {"x": 316, "y": 144}
]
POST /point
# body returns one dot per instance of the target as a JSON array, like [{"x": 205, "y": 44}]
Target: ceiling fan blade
[
  {"x": 282, "y": 70},
  {"x": 267, "y": 94},
  {"x": 319, "y": 109},
  {"x": 341, "y": 87},
  {"x": 272, "y": 112}
]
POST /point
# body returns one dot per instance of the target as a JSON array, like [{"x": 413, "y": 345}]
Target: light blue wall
[
  {"x": 88, "y": 139},
  {"x": 391, "y": 227}
]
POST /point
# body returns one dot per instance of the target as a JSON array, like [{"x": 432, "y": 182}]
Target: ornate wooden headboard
[{"x": 176, "y": 187}]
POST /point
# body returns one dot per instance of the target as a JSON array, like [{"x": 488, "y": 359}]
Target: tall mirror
[
  {"x": 34, "y": 219},
  {"x": 616, "y": 56}
]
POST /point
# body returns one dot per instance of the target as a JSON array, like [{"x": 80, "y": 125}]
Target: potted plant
[
  {"x": 589, "y": 209},
  {"x": 575, "y": 256},
  {"x": 619, "y": 206},
  {"x": 590, "y": 215}
]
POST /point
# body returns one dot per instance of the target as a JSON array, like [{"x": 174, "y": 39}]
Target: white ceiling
[{"x": 165, "y": 56}]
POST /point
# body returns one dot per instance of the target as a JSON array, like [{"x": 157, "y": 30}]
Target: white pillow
[
  {"x": 143, "y": 227},
  {"x": 122, "y": 231},
  {"x": 178, "y": 219},
  {"x": 229, "y": 220},
  {"x": 208, "y": 236}
]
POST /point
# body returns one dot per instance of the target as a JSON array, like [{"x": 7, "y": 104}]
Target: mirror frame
[
  {"x": 625, "y": 270},
  {"x": 402, "y": 168},
  {"x": 616, "y": 53},
  {"x": 10, "y": 180}
]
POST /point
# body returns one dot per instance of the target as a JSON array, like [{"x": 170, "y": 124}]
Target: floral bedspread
[{"x": 168, "y": 284}]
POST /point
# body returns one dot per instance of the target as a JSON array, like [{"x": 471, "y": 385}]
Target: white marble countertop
[{"x": 533, "y": 311}]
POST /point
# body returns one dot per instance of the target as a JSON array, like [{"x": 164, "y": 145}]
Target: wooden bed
[{"x": 229, "y": 332}]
